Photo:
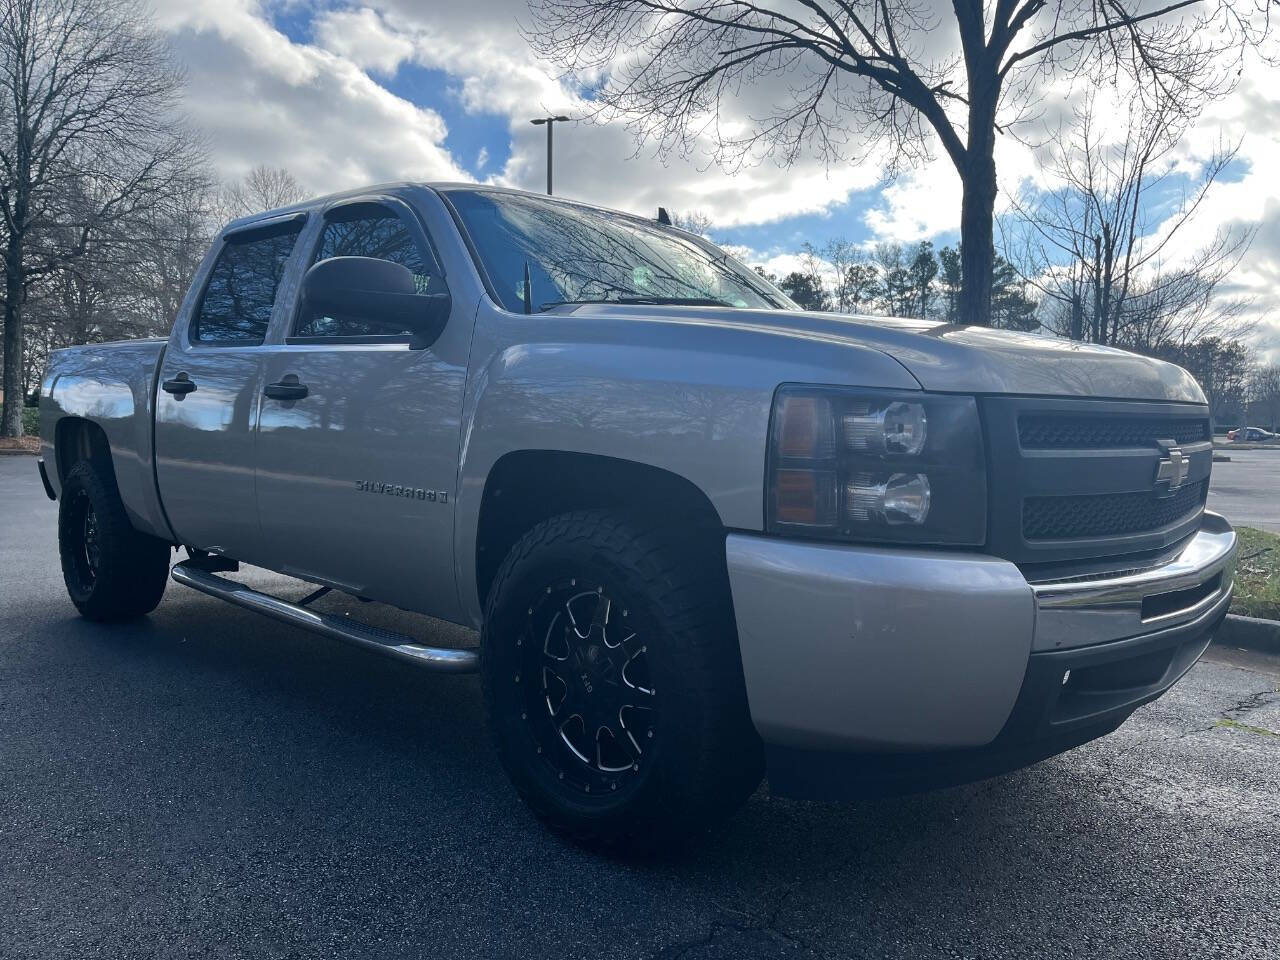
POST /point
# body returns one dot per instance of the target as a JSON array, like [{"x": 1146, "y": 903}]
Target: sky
[{"x": 347, "y": 94}]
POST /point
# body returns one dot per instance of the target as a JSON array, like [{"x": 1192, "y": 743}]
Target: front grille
[
  {"x": 1108, "y": 514},
  {"x": 1074, "y": 481},
  {"x": 1040, "y": 432}
]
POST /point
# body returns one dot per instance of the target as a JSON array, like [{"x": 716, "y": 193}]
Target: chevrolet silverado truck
[{"x": 704, "y": 535}]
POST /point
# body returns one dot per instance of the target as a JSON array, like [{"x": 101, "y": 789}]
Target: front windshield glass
[{"x": 576, "y": 254}]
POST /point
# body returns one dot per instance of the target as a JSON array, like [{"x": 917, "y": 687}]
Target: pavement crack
[
  {"x": 1255, "y": 701},
  {"x": 767, "y": 927}
]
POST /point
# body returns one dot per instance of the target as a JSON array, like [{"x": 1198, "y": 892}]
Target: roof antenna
[
  {"x": 664, "y": 218},
  {"x": 528, "y": 289}
]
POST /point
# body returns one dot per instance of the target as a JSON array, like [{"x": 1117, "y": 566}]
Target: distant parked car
[{"x": 1251, "y": 435}]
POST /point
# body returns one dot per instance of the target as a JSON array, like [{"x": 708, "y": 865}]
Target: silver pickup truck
[{"x": 704, "y": 535}]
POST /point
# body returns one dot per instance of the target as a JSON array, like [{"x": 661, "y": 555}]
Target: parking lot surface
[
  {"x": 1247, "y": 490},
  {"x": 207, "y": 783}
]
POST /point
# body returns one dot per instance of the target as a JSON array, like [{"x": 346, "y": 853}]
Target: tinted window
[
  {"x": 577, "y": 254},
  {"x": 365, "y": 231},
  {"x": 236, "y": 307}
]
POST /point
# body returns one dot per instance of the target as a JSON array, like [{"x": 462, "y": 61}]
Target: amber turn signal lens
[
  {"x": 804, "y": 497},
  {"x": 806, "y": 428}
]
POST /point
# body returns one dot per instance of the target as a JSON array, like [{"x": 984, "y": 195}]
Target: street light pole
[{"x": 550, "y": 122}]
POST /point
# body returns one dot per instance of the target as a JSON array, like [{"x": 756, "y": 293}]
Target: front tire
[
  {"x": 112, "y": 571},
  {"x": 612, "y": 681}
]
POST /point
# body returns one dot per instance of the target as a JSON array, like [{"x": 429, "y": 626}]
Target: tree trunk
[
  {"x": 1077, "y": 317},
  {"x": 11, "y": 420},
  {"x": 977, "y": 212}
]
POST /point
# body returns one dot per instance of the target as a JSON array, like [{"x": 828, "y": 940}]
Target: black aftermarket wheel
[
  {"x": 612, "y": 680},
  {"x": 112, "y": 571},
  {"x": 589, "y": 694}
]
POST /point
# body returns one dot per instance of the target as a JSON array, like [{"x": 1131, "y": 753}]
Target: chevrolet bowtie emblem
[{"x": 1171, "y": 471}]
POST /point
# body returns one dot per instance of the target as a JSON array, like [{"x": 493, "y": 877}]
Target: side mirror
[{"x": 377, "y": 291}]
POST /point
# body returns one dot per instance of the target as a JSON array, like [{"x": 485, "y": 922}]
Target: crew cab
[{"x": 705, "y": 536}]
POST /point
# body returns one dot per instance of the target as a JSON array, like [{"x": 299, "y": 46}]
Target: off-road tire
[
  {"x": 704, "y": 758},
  {"x": 127, "y": 575}
]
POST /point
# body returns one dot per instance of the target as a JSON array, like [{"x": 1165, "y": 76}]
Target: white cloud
[
  {"x": 260, "y": 98},
  {"x": 480, "y": 44},
  {"x": 363, "y": 38}
]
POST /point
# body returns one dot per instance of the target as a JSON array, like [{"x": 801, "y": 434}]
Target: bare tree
[
  {"x": 263, "y": 188},
  {"x": 694, "y": 221},
  {"x": 844, "y": 77},
  {"x": 896, "y": 288},
  {"x": 862, "y": 283},
  {"x": 128, "y": 283},
  {"x": 949, "y": 261},
  {"x": 1264, "y": 396},
  {"x": 1222, "y": 366},
  {"x": 1098, "y": 245},
  {"x": 842, "y": 255},
  {"x": 922, "y": 271},
  {"x": 88, "y": 137}
]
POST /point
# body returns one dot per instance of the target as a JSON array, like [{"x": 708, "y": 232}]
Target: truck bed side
[{"x": 105, "y": 393}]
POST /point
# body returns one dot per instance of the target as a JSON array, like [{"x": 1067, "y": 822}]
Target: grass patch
[{"x": 1257, "y": 574}]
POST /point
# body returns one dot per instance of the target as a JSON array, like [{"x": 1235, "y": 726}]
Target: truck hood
[{"x": 958, "y": 359}]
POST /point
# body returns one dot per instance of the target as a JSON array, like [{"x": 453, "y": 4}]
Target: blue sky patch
[{"x": 469, "y": 133}]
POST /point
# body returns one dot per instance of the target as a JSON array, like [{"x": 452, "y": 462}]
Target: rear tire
[
  {"x": 112, "y": 571},
  {"x": 596, "y": 620}
]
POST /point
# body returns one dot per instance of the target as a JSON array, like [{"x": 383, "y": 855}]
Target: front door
[
  {"x": 358, "y": 433},
  {"x": 207, "y": 401}
]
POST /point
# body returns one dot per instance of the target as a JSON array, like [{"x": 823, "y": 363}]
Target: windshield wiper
[
  {"x": 644, "y": 301},
  {"x": 675, "y": 301}
]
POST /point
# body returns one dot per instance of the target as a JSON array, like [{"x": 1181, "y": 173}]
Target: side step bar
[{"x": 439, "y": 659}]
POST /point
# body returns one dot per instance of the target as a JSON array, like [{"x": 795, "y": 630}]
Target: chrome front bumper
[
  {"x": 1077, "y": 613},
  {"x": 853, "y": 648}
]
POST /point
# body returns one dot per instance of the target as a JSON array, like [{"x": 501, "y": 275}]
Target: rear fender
[{"x": 100, "y": 398}]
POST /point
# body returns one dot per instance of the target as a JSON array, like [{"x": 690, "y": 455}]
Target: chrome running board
[{"x": 397, "y": 645}]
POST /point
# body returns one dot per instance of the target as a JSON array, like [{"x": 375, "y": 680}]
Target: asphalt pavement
[
  {"x": 1247, "y": 490},
  {"x": 207, "y": 783}
]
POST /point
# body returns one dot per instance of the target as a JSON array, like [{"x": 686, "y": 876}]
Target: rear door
[
  {"x": 358, "y": 434},
  {"x": 210, "y": 385}
]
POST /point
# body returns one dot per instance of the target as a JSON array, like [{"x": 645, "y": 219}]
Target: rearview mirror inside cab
[{"x": 375, "y": 291}]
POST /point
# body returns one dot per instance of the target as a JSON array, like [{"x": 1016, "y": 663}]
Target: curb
[
  {"x": 1249, "y": 632},
  {"x": 19, "y": 453}
]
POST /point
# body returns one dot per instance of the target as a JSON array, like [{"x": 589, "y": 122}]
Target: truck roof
[{"x": 392, "y": 186}]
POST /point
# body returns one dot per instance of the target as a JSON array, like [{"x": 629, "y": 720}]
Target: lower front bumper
[
  {"x": 908, "y": 665},
  {"x": 1067, "y": 698}
]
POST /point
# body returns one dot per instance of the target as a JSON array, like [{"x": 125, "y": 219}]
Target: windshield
[{"x": 579, "y": 255}]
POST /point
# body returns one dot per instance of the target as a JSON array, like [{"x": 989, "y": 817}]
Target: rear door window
[{"x": 241, "y": 292}]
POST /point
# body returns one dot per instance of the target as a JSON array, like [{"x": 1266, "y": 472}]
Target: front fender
[{"x": 696, "y": 405}]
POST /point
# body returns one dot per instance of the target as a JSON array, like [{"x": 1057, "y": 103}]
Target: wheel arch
[
  {"x": 525, "y": 487},
  {"x": 76, "y": 439}
]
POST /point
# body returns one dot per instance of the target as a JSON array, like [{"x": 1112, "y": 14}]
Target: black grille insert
[
  {"x": 1108, "y": 514},
  {"x": 1057, "y": 432},
  {"x": 1164, "y": 604}
]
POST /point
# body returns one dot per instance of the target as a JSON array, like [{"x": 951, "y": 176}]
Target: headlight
[{"x": 876, "y": 465}]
